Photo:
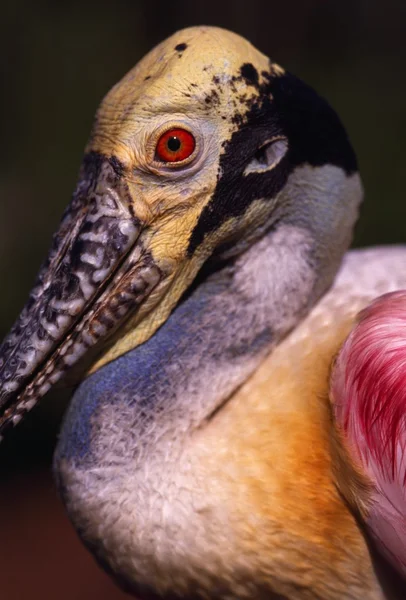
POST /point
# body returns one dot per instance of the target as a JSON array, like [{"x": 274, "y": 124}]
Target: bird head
[{"x": 201, "y": 148}]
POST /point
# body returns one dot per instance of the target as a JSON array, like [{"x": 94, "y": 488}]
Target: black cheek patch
[
  {"x": 285, "y": 106},
  {"x": 315, "y": 132}
]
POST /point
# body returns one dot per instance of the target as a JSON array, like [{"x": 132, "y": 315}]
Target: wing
[{"x": 368, "y": 389}]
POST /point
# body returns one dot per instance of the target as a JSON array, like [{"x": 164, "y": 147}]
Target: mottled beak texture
[{"x": 94, "y": 275}]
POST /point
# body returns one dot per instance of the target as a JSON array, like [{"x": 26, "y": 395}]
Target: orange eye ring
[{"x": 175, "y": 145}]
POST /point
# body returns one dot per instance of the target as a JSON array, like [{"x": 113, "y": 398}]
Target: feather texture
[{"x": 369, "y": 393}]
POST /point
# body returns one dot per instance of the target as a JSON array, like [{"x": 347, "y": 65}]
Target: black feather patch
[{"x": 285, "y": 106}]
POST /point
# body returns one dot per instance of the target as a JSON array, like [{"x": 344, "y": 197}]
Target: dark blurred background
[{"x": 57, "y": 60}]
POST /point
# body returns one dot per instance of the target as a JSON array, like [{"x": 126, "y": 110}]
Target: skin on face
[
  {"x": 194, "y": 88},
  {"x": 122, "y": 259}
]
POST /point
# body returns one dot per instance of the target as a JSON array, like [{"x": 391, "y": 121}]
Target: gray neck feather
[{"x": 156, "y": 395}]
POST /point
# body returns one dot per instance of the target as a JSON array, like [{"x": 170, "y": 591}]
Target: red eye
[{"x": 175, "y": 145}]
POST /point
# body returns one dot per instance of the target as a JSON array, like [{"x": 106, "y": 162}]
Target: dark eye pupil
[{"x": 174, "y": 144}]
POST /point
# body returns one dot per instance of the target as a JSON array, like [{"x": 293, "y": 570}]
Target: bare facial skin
[{"x": 121, "y": 252}]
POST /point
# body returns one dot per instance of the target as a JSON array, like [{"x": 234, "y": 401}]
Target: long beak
[{"x": 97, "y": 273}]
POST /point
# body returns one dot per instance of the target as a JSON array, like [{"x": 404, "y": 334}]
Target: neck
[
  {"x": 215, "y": 339},
  {"x": 219, "y": 335},
  {"x": 131, "y": 425}
]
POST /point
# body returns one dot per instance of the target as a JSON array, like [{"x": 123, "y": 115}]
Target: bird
[{"x": 200, "y": 292}]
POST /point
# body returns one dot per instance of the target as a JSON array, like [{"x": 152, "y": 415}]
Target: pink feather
[{"x": 369, "y": 394}]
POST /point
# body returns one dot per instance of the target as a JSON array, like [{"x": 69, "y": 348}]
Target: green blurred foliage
[{"x": 58, "y": 59}]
